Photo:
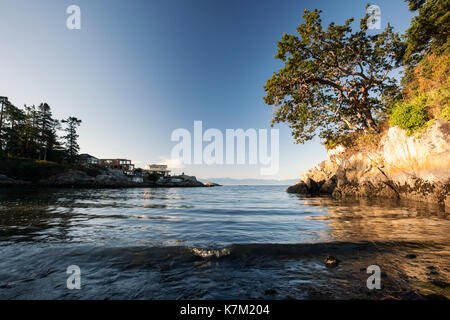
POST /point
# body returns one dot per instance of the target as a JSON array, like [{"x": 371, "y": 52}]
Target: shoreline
[
  {"x": 103, "y": 180},
  {"x": 404, "y": 167}
]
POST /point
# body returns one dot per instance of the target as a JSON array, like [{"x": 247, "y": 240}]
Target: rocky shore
[
  {"x": 402, "y": 166},
  {"x": 106, "y": 179}
]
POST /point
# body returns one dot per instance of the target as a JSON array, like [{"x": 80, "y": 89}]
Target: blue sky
[{"x": 137, "y": 70}]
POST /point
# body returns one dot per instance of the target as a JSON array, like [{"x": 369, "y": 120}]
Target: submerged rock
[{"x": 331, "y": 262}]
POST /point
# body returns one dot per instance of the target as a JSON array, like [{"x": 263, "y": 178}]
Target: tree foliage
[
  {"x": 410, "y": 116},
  {"x": 71, "y": 137},
  {"x": 30, "y": 132},
  {"x": 429, "y": 30},
  {"x": 334, "y": 80}
]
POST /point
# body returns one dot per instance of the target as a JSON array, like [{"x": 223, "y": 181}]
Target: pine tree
[
  {"x": 47, "y": 130},
  {"x": 71, "y": 137}
]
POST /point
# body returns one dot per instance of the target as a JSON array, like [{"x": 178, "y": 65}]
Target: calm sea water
[{"x": 231, "y": 242}]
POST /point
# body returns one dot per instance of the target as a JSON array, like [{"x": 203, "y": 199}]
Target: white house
[{"x": 157, "y": 168}]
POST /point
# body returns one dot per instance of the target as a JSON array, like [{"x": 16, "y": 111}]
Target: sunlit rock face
[
  {"x": 411, "y": 167},
  {"x": 426, "y": 156}
]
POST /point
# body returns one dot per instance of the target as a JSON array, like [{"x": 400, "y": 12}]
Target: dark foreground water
[{"x": 232, "y": 242}]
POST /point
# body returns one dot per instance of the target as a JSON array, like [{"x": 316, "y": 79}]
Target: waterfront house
[
  {"x": 88, "y": 159},
  {"x": 157, "y": 168},
  {"x": 123, "y": 165}
]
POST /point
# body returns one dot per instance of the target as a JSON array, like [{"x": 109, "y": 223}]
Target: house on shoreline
[
  {"x": 160, "y": 169},
  {"x": 88, "y": 159},
  {"x": 123, "y": 165}
]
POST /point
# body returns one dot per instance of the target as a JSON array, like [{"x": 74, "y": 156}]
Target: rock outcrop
[
  {"x": 407, "y": 167},
  {"x": 106, "y": 179},
  {"x": 179, "y": 181},
  {"x": 6, "y": 182},
  {"x": 211, "y": 184},
  {"x": 300, "y": 187},
  {"x": 76, "y": 178}
]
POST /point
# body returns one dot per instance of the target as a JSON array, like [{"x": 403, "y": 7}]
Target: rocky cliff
[{"x": 401, "y": 166}]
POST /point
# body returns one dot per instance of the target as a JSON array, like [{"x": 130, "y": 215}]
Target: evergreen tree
[
  {"x": 31, "y": 132},
  {"x": 47, "y": 130},
  {"x": 13, "y": 129},
  {"x": 429, "y": 30},
  {"x": 3, "y": 103},
  {"x": 71, "y": 137}
]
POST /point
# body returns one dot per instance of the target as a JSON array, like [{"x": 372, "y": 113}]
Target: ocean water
[{"x": 230, "y": 242}]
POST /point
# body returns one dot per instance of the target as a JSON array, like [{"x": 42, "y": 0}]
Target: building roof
[
  {"x": 157, "y": 167},
  {"x": 86, "y": 156}
]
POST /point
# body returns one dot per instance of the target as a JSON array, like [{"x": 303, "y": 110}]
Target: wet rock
[
  {"x": 300, "y": 188},
  {"x": 312, "y": 186},
  {"x": 321, "y": 183},
  {"x": 331, "y": 262},
  {"x": 337, "y": 194},
  {"x": 329, "y": 186}
]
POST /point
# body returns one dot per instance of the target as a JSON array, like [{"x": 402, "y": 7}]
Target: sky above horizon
[{"x": 138, "y": 70}]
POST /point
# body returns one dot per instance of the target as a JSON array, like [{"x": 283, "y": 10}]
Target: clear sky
[{"x": 137, "y": 70}]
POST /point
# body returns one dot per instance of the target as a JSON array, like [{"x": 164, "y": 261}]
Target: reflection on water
[{"x": 226, "y": 242}]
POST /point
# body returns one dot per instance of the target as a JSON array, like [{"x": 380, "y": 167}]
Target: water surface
[{"x": 231, "y": 242}]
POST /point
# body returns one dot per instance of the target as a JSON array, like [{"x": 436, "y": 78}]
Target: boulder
[
  {"x": 331, "y": 262},
  {"x": 211, "y": 184},
  {"x": 300, "y": 187},
  {"x": 329, "y": 186},
  {"x": 312, "y": 186}
]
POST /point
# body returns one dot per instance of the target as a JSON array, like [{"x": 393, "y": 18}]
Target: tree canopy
[
  {"x": 31, "y": 132},
  {"x": 429, "y": 30},
  {"x": 334, "y": 80}
]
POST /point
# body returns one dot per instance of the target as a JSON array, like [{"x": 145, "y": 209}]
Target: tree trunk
[{"x": 369, "y": 120}]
